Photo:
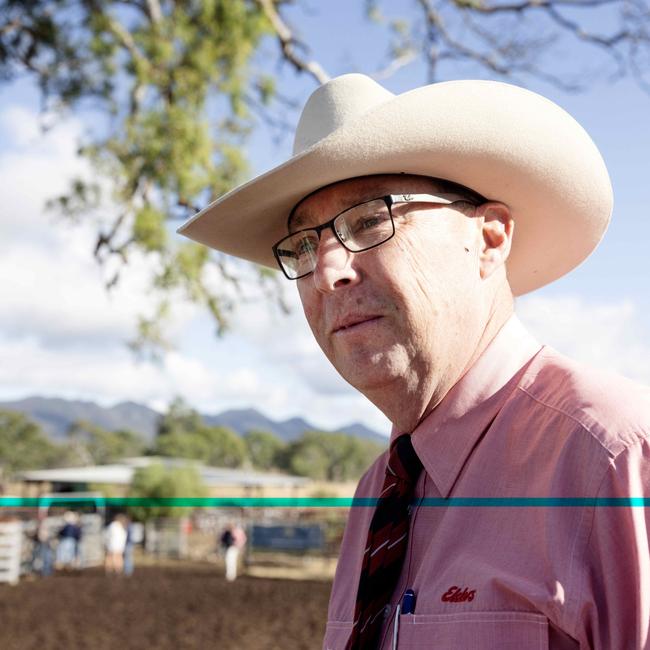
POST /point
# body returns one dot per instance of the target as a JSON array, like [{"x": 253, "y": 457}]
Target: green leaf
[{"x": 149, "y": 229}]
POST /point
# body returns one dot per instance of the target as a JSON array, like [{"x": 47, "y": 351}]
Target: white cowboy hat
[{"x": 504, "y": 142}]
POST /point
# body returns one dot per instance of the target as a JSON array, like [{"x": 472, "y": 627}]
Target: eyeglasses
[{"x": 359, "y": 228}]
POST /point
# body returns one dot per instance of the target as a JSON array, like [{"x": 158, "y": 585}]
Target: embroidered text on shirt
[{"x": 456, "y": 595}]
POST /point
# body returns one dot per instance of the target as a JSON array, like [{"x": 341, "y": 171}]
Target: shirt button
[{"x": 387, "y": 611}]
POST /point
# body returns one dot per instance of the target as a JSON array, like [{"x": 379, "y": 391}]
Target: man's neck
[{"x": 416, "y": 397}]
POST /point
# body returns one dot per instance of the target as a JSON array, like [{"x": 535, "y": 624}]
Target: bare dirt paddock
[{"x": 165, "y": 608}]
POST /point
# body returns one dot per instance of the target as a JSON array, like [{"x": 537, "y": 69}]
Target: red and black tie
[{"x": 386, "y": 546}]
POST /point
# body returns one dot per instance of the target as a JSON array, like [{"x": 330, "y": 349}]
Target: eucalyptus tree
[{"x": 172, "y": 91}]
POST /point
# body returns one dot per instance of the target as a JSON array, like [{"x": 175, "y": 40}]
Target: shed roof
[{"x": 122, "y": 473}]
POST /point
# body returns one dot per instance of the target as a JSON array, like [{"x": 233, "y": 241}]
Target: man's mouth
[{"x": 353, "y": 322}]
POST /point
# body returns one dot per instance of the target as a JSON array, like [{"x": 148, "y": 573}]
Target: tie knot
[{"x": 403, "y": 462}]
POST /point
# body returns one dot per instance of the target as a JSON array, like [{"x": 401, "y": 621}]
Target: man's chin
[{"x": 367, "y": 377}]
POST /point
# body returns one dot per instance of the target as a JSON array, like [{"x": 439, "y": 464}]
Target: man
[
  {"x": 503, "y": 516},
  {"x": 115, "y": 537},
  {"x": 233, "y": 541},
  {"x": 43, "y": 556},
  {"x": 68, "y": 552}
]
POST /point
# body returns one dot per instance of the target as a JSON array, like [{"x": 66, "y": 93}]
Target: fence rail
[{"x": 10, "y": 551}]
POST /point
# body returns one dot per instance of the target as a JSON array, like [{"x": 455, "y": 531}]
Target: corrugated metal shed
[{"x": 122, "y": 473}]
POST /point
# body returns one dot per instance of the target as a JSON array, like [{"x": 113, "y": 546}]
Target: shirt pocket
[
  {"x": 336, "y": 635},
  {"x": 476, "y": 630}
]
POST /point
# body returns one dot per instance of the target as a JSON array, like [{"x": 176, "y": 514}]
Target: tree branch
[
  {"x": 105, "y": 241},
  {"x": 288, "y": 44},
  {"x": 396, "y": 64},
  {"x": 514, "y": 52},
  {"x": 118, "y": 30},
  {"x": 506, "y": 58},
  {"x": 460, "y": 50},
  {"x": 520, "y": 7},
  {"x": 579, "y": 32},
  {"x": 154, "y": 12},
  {"x": 187, "y": 205},
  {"x": 12, "y": 24}
]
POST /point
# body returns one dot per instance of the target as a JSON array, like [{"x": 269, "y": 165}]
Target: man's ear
[{"x": 497, "y": 229}]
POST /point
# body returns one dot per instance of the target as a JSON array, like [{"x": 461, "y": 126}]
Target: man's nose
[{"x": 334, "y": 268}]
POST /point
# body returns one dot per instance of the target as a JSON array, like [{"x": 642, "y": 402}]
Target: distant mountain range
[{"x": 55, "y": 415}]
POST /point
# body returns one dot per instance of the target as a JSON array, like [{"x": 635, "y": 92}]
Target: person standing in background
[
  {"x": 43, "y": 555},
  {"x": 115, "y": 542},
  {"x": 233, "y": 541},
  {"x": 69, "y": 539},
  {"x": 128, "y": 565}
]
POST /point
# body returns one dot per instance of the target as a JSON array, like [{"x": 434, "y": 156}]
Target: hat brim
[{"x": 507, "y": 143}]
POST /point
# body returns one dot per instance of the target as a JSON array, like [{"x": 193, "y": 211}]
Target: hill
[{"x": 55, "y": 415}]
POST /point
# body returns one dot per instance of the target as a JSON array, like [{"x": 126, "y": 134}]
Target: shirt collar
[{"x": 445, "y": 438}]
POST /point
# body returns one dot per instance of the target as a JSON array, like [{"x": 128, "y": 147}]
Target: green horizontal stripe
[
  {"x": 539, "y": 502},
  {"x": 326, "y": 502}
]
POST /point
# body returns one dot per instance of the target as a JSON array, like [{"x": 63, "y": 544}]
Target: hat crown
[
  {"x": 503, "y": 141},
  {"x": 335, "y": 103}
]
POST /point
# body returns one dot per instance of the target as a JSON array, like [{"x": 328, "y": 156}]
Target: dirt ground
[{"x": 166, "y": 608}]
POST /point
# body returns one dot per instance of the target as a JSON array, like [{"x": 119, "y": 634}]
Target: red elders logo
[{"x": 457, "y": 595}]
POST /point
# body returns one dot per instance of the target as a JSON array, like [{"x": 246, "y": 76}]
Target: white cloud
[
  {"x": 60, "y": 298},
  {"x": 51, "y": 287},
  {"x": 34, "y": 167},
  {"x": 607, "y": 335},
  {"x": 23, "y": 130},
  {"x": 333, "y": 414},
  {"x": 30, "y": 368},
  {"x": 287, "y": 340}
]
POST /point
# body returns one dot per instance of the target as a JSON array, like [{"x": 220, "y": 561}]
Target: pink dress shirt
[{"x": 523, "y": 423}]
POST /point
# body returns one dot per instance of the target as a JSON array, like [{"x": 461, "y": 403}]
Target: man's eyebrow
[{"x": 297, "y": 221}]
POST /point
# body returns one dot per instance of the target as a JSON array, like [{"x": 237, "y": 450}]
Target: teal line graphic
[{"x": 325, "y": 502}]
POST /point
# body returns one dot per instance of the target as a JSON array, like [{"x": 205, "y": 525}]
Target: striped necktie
[{"x": 386, "y": 546}]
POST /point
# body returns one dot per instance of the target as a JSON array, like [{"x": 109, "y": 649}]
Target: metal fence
[
  {"x": 11, "y": 536},
  {"x": 167, "y": 537},
  {"x": 91, "y": 547}
]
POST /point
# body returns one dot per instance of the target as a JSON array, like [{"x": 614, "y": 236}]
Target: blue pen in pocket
[{"x": 408, "y": 602}]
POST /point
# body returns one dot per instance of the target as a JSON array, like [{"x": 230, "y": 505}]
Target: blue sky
[{"x": 60, "y": 334}]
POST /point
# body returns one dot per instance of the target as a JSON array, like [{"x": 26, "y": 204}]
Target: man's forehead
[{"x": 336, "y": 197}]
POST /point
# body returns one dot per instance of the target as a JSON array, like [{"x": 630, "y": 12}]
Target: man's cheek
[
  {"x": 313, "y": 317},
  {"x": 305, "y": 301}
]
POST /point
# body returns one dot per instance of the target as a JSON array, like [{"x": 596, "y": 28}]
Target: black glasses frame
[{"x": 389, "y": 200}]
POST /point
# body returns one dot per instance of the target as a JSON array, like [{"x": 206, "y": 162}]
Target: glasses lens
[
  {"x": 297, "y": 253},
  {"x": 365, "y": 225}
]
